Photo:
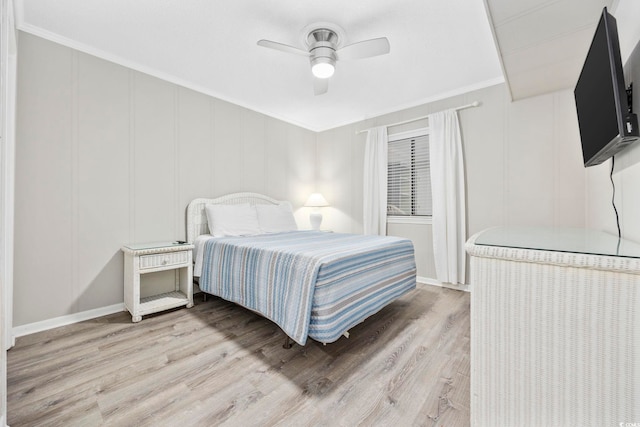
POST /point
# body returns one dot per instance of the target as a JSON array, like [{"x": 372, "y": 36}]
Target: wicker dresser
[{"x": 555, "y": 328}]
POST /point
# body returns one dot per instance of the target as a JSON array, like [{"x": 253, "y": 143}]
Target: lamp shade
[{"x": 316, "y": 200}]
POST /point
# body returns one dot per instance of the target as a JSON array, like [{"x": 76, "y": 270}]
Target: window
[{"x": 408, "y": 179}]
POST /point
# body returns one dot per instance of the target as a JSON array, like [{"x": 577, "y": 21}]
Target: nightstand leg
[{"x": 136, "y": 319}]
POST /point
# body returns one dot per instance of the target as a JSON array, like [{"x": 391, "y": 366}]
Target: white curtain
[
  {"x": 447, "y": 182},
  {"x": 375, "y": 182}
]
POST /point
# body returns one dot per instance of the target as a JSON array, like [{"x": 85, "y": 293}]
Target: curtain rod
[{"x": 473, "y": 104}]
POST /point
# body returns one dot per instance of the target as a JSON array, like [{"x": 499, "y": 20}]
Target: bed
[{"x": 312, "y": 284}]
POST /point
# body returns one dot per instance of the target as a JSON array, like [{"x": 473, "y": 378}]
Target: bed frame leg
[{"x": 288, "y": 342}]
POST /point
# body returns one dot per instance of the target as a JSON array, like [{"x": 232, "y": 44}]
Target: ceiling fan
[{"x": 323, "y": 43}]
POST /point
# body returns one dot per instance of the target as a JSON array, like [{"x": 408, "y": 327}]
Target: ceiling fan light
[{"x": 323, "y": 69}]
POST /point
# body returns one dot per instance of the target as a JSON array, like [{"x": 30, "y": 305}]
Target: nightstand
[{"x": 146, "y": 258}]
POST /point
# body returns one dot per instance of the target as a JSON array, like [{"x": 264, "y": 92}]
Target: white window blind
[{"x": 409, "y": 180}]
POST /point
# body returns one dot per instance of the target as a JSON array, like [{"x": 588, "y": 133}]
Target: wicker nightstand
[{"x": 153, "y": 257}]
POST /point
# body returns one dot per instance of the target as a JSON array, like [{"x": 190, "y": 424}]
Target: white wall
[
  {"x": 600, "y": 213},
  {"x": 523, "y": 166},
  {"x": 107, "y": 156}
]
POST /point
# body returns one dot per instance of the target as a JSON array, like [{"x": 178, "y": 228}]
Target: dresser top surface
[{"x": 559, "y": 239}]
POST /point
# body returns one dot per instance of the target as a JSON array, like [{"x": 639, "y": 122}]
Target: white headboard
[{"x": 197, "y": 218}]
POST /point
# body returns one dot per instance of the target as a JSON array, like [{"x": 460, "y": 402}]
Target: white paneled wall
[
  {"x": 99, "y": 180},
  {"x": 523, "y": 165},
  {"x": 338, "y": 169},
  {"x": 107, "y": 155},
  {"x": 43, "y": 195}
]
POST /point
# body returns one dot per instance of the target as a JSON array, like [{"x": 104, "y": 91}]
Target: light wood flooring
[{"x": 219, "y": 364}]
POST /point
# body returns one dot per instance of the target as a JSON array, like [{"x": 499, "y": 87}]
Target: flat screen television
[{"x": 606, "y": 122}]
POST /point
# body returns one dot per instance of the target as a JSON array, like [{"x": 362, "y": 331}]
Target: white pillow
[
  {"x": 232, "y": 220},
  {"x": 276, "y": 218}
]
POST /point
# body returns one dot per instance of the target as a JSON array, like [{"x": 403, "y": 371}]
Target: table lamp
[{"x": 316, "y": 201}]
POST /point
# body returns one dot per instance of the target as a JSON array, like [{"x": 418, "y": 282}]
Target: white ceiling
[
  {"x": 543, "y": 43},
  {"x": 438, "y": 49},
  {"x": 538, "y": 39}
]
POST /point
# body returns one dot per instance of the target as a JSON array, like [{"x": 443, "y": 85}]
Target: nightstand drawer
[{"x": 160, "y": 260}]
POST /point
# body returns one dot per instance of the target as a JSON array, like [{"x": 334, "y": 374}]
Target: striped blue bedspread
[{"x": 310, "y": 283}]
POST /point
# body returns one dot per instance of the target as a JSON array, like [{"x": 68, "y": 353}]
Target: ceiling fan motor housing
[{"x": 322, "y": 46}]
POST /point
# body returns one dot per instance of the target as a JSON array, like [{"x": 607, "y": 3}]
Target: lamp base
[{"x": 315, "y": 218}]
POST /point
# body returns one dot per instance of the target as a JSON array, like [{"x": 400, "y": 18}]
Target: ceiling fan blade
[
  {"x": 282, "y": 47},
  {"x": 320, "y": 86},
  {"x": 365, "y": 49}
]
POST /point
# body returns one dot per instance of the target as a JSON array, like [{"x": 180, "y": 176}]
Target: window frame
[{"x": 408, "y": 219}]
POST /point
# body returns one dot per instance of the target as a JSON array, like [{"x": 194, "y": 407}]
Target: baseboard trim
[
  {"x": 56, "y": 322},
  {"x": 433, "y": 282},
  {"x": 45, "y": 325}
]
